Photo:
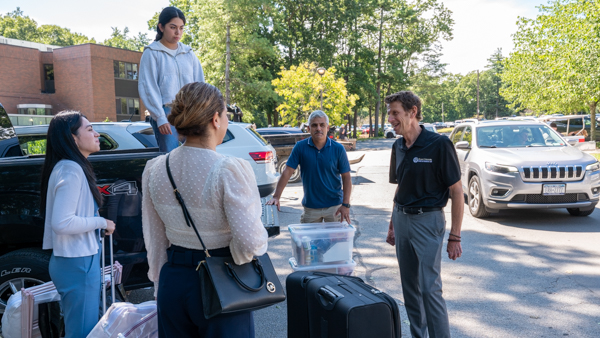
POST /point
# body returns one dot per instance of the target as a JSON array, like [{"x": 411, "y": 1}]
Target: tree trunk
[
  {"x": 478, "y": 94},
  {"x": 378, "y": 98},
  {"x": 355, "y": 122},
  {"x": 275, "y": 118},
  {"x": 228, "y": 61},
  {"x": 269, "y": 119},
  {"x": 593, "y": 121},
  {"x": 384, "y": 111},
  {"x": 370, "y": 122}
]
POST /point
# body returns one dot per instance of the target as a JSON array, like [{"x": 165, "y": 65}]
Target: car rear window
[
  {"x": 146, "y": 137},
  {"x": 257, "y": 136},
  {"x": 36, "y": 144},
  {"x": 228, "y": 136}
]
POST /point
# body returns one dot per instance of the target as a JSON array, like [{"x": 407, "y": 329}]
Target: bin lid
[{"x": 321, "y": 228}]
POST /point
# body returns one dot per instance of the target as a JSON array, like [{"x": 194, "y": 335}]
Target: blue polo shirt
[{"x": 320, "y": 171}]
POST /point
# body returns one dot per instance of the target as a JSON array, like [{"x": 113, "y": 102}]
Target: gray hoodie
[{"x": 163, "y": 72}]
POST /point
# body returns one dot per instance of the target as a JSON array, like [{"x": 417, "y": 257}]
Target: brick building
[{"x": 37, "y": 81}]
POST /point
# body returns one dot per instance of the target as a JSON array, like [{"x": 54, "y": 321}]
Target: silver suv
[{"x": 523, "y": 165}]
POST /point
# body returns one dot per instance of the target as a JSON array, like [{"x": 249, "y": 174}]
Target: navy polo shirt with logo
[
  {"x": 425, "y": 171},
  {"x": 320, "y": 172}
]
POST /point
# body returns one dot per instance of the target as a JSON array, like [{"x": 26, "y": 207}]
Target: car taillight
[
  {"x": 262, "y": 156},
  {"x": 582, "y": 139}
]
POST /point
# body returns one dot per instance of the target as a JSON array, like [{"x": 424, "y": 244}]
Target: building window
[
  {"x": 128, "y": 106},
  {"x": 49, "y": 79},
  {"x": 125, "y": 70}
]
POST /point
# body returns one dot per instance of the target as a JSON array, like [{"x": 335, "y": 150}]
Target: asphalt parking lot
[{"x": 525, "y": 273}]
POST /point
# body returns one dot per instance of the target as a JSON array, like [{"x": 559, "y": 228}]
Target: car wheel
[
  {"x": 579, "y": 212},
  {"x": 476, "y": 206},
  {"x": 295, "y": 178},
  {"x": 22, "y": 269},
  {"x": 389, "y": 135}
]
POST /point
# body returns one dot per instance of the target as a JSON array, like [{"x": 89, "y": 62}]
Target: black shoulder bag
[{"x": 225, "y": 286}]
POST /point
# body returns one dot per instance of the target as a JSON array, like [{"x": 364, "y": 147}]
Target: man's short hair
[
  {"x": 553, "y": 125},
  {"x": 408, "y": 100},
  {"x": 317, "y": 113}
]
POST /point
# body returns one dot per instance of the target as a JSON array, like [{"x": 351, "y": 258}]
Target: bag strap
[{"x": 186, "y": 214}]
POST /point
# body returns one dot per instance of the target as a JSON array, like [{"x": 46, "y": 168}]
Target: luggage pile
[{"x": 325, "y": 247}]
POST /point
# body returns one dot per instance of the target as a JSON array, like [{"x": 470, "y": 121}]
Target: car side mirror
[
  {"x": 572, "y": 142},
  {"x": 462, "y": 145}
]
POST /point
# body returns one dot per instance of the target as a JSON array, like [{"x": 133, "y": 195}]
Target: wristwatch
[{"x": 347, "y": 205}]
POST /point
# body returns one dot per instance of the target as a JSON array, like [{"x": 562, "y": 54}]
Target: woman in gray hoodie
[{"x": 166, "y": 66}]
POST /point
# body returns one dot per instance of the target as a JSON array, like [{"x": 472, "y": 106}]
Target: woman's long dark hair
[
  {"x": 60, "y": 145},
  {"x": 165, "y": 17}
]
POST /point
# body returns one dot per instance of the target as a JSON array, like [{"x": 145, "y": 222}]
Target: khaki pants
[{"x": 310, "y": 215}]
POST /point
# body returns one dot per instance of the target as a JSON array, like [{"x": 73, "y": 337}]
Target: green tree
[
  {"x": 555, "y": 64},
  {"x": 253, "y": 58},
  {"x": 120, "y": 39},
  {"x": 302, "y": 88},
  {"x": 16, "y": 25}
]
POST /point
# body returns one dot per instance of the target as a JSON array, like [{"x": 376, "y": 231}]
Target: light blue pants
[
  {"x": 166, "y": 143},
  {"x": 77, "y": 280}
]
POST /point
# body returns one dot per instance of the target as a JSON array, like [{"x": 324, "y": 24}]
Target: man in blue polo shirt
[{"x": 325, "y": 174}]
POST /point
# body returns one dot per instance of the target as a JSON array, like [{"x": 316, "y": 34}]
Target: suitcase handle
[{"x": 328, "y": 297}]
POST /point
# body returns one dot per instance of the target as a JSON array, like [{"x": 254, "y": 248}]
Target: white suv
[
  {"x": 244, "y": 142},
  {"x": 523, "y": 165}
]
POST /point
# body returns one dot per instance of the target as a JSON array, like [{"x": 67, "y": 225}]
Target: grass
[
  {"x": 445, "y": 130},
  {"x": 596, "y": 155},
  {"x": 370, "y": 138}
]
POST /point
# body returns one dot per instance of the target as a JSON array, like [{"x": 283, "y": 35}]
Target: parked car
[
  {"x": 365, "y": 128},
  {"x": 523, "y": 165},
  {"x": 391, "y": 133},
  {"x": 240, "y": 141},
  {"x": 279, "y": 131},
  {"x": 573, "y": 125},
  {"x": 113, "y": 136}
]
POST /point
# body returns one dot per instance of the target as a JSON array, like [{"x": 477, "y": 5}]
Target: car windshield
[{"x": 515, "y": 136}]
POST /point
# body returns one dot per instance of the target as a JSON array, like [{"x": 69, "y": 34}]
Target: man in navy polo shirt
[
  {"x": 425, "y": 167},
  {"x": 325, "y": 174}
]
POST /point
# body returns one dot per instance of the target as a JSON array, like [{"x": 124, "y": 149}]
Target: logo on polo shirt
[{"x": 422, "y": 160}]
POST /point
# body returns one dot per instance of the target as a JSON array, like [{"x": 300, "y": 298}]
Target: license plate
[
  {"x": 269, "y": 217},
  {"x": 554, "y": 189}
]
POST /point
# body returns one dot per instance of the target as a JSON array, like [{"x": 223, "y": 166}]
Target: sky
[{"x": 480, "y": 26}]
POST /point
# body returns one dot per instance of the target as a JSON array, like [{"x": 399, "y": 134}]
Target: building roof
[{"x": 28, "y": 44}]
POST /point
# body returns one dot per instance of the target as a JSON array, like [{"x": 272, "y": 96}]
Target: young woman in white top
[
  {"x": 70, "y": 200},
  {"x": 165, "y": 67},
  {"x": 220, "y": 194}
]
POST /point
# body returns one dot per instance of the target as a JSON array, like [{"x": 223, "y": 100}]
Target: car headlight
[
  {"x": 593, "y": 167},
  {"x": 499, "y": 168}
]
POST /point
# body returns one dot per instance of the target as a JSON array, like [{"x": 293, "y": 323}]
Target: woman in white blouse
[
  {"x": 221, "y": 195},
  {"x": 70, "y": 200}
]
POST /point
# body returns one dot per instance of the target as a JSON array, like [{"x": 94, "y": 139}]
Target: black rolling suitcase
[{"x": 326, "y": 305}]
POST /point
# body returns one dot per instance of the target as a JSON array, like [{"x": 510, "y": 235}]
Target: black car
[{"x": 279, "y": 130}]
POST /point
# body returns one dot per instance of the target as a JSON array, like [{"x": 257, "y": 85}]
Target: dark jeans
[{"x": 179, "y": 301}]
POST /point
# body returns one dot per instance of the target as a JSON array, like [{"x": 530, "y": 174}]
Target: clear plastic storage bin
[
  {"x": 345, "y": 269},
  {"x": 322, "y": 243}
]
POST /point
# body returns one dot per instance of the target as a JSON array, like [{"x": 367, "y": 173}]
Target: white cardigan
[{"x": 70, "y": 224}]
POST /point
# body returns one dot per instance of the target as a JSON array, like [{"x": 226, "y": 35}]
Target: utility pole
[
  {"x": 443, "y": 112},
  {"x": 478, "y": 94},
  {"x": 378, "y": 105},
  {"x": 228, "y": 60},
  {"x": 321, "y": 71}
]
